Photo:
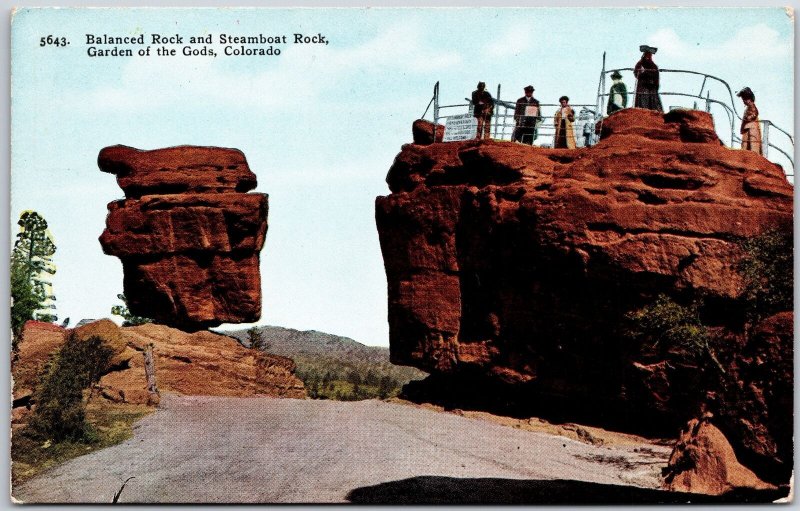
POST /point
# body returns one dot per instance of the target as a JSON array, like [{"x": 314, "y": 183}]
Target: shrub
[
  {"x": 767, "y": 269},
  {"x": 60, "y": 409},
  {"x": 665, "y": 324},
  {"x": 128, "y": 318}
]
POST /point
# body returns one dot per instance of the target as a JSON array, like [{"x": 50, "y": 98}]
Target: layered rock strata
[
  {"x": 510, "y": 270},
  {"x": 202, "y": 363},
  {"x": 187, "y": 234}
]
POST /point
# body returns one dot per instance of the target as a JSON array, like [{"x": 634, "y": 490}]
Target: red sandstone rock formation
[
  {"x": 704, "y": 462},
  {"x": 202, "y": 363},
  {"x": 422, "y": 132},
  {"x": 511, "y": 265},
  {"x": 187, "y": 234}
]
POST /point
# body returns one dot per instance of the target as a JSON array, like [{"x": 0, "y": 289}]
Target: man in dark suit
[
  {"x": 483, "y": 106},
  {"x": 526, "y": 115}
]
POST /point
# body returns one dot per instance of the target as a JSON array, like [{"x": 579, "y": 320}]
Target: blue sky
[{"x": 320, "y": 125}]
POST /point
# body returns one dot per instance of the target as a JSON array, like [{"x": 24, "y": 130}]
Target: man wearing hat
[
  {"x": 618, "y": 95},
  {"x": 646, "y": 73},
  {"x": 526, "y": 115},
  {"x": 483, "y": 106},
  {"x": 751, "y": 127}
]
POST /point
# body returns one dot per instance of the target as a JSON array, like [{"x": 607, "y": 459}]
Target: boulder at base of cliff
[{"x": 703, "y": 461}]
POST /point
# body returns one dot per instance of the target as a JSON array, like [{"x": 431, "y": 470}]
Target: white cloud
[
  {"x": 753, "y": 42},
  {"x": 515, "y": 40}
]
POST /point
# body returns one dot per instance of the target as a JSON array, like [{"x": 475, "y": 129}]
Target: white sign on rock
[{"x": 460, "y": 127}]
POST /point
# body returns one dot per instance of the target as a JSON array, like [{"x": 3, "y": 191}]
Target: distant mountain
[
  {"x": 289, "y": 342},
  {"x": 332, "y": 366}
]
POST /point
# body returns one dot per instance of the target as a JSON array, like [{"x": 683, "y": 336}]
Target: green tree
[
  {"x": 371, "y": 378},
  {"x": 31, "y": 262},
  {"x": 60, "y": 412},
  {"x": 257, "y": 340},
  {"x": 354, "y": 377},
  {"x": 387, "y": 386},
  {"x": 767, "y": 268},
  {"x": 125, "y": 313}
]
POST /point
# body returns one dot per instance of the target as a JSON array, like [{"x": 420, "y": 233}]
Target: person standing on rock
[
  {"x": 617, "y": 95},
  {"x": 526, "y": 115},
  {"x": 564, "y": 119},
  {"x": 751, "y": 127},
  {"x": 647, "y": 82},
  {"x": 483, "y": 106}
]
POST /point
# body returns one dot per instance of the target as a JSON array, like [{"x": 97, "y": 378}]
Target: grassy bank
[{"x": 111, "y": 423}]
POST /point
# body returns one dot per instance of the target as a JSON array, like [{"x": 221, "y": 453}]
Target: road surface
[{"x": 263, "y": 450}]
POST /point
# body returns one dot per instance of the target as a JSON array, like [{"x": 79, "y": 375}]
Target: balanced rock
[
  {"x": 511, "y": 268},
  {"x": 187, "y": 234}
]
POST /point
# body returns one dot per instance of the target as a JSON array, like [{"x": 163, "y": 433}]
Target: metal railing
[
  {"x": 782, "y": 142},
  {"x": 504, "y": 123}
]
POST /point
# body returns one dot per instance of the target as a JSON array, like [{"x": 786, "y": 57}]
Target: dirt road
[{"x": 226, "y": 450}]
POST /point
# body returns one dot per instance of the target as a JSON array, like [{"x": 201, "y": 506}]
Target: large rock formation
[
  {"x": 510, "y": 270},
  {"x": 187, "y": 234},
  {"x": 202, "y": 363}
]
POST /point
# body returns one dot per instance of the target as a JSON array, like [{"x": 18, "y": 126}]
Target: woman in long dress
[
  {"x": 647, "y": 82},
  {"x": 564, "y": 119},
  {"x": 618, "y": 95},
  {"x": 751, "y": 127}
]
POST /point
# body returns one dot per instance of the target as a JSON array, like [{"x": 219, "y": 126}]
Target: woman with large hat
[
  {"x": 564, "y": 119},
  {"x": 646, "y": 73},
  {"x": 751, "y": 127},
  {"x": 618, "y": 95}
]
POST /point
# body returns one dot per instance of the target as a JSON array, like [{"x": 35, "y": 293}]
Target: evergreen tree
[
  {"x": 257, "y": 339},
  {"x": 31, "y": 262},
  {"x": 125, "y": 313}
]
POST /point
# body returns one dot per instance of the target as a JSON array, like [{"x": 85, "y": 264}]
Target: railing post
[
  {"x": 601, "y": 87},
  {"x": 497, "y": 112},
  {"x": 435, "y": 110},
  {"x": 764, "y": 138}
]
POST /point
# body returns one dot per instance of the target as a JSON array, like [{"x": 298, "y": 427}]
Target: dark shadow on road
[{"x": 453, "y": 490}]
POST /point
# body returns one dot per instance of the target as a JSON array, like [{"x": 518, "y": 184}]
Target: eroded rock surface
[
  {"x": 704, "y": 462},
  {"x": 202, "y": 363},
  {"x": 187, "y": 235},
  {"x": 510, "y": 270},
  {"x": 422, "y": 132}
]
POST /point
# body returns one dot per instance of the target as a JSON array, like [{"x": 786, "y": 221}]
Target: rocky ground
[{"x": 287, "y": 450}]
